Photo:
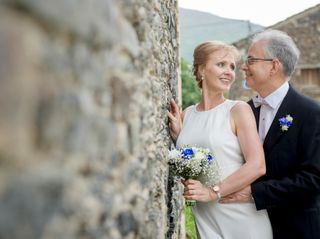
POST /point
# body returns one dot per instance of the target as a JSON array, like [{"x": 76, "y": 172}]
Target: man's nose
[{"x": 244, "y": 67}]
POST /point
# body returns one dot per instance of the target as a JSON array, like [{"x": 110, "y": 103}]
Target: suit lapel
[
  {"x": 274, "y": 134},
  {"x": 256, "y": 112}
]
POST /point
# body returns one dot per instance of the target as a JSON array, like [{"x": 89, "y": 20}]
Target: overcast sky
[{"x": 265, "y": 13}]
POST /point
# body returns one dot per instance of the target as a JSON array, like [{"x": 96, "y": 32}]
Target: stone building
[
  {"x": 304, "y": 28},
  {"x": 84, "y": 91}
]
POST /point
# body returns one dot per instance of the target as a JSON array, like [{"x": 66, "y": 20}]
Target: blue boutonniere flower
[{"x": 285, "y": 122}]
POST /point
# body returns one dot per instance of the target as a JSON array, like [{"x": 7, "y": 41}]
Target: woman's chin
[{"x": 226, "y": 87}]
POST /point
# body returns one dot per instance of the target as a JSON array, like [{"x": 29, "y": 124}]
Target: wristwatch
[{"x": 216, "y": 189}]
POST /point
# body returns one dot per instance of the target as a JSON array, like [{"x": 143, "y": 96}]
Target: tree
[{"x": 190, "y": 90}]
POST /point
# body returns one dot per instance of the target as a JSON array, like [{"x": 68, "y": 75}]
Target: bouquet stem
[{"x": 191, "y": 203}]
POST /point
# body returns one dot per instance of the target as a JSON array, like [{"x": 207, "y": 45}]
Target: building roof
[{"x": 304, "y": 28}]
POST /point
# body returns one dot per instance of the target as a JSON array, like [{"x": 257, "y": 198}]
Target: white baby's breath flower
[
  {"x": 194, "y": 163},
  {"x": 174, "y": 154},
  {"x": 199, "y": 155},
  {"x": 206, "y": 151}
]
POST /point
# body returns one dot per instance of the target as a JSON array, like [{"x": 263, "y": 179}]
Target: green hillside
[{"x": 197, "y": 27}]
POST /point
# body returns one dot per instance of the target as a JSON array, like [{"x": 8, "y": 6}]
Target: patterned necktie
[{"x": 258, "y": 101}]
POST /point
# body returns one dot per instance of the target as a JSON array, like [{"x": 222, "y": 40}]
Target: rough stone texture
[
  {"x": 304, "y": 28},
  {"x": 84, "y": 90}
]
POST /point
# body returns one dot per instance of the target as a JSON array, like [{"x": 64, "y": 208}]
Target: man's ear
[{"x": 276, "y": 66}]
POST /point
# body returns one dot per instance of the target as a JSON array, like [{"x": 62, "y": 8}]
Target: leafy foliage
[
  {"x": 190, "y": 90},
  {"x": 189, "y": 223}
]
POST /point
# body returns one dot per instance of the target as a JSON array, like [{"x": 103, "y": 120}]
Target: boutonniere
[{"x": 285, "y": 122}]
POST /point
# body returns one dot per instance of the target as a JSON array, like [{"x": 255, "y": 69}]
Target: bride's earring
[{"x": 202, "y": 77}]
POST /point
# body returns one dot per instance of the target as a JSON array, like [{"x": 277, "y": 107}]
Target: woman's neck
[{"x": 209, "y": 101}]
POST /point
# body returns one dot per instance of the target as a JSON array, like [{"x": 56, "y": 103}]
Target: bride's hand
[
  {"x": 195, "y": 190},
  {"x": 175, "y": 122}
]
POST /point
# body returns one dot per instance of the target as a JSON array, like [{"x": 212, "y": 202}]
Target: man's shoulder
[{"x": 304, "y": 102}]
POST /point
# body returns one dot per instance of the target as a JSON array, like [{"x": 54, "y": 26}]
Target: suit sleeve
[{"x": 302, "y": 186}]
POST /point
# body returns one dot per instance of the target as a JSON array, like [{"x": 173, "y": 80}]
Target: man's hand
[{"x": 243, "y": 195}]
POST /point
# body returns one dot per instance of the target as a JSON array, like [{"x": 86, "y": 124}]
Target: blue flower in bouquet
[
  {"x": 186, "y": 153},
  {"x": 285, "y": 122}
]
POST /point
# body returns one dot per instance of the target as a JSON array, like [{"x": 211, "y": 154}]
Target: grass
[{"x": 189, "y": 224}]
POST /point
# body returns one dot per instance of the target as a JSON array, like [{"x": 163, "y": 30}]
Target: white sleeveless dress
[{"x": 211, "y": 129}]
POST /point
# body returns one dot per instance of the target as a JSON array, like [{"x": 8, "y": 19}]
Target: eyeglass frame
[{"x": 251, "y": 60}]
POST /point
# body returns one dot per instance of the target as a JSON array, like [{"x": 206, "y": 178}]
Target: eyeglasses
[{"x": 251, "y": 60}]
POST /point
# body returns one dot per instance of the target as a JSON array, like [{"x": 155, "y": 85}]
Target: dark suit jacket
[{"x": 290, "y": 190}]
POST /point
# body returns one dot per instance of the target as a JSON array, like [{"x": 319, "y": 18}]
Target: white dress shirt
[{"x": 269, "y": 108}]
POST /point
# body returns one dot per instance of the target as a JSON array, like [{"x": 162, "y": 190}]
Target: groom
[{"x": 289, "y": 127}]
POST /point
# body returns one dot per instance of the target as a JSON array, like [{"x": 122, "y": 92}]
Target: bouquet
[{"x": 194, "y": 163}]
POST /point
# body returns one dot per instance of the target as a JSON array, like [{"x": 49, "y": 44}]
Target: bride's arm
[{"x": 244, "y": 127}]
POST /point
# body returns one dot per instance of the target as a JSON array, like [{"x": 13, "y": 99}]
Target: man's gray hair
[{"x": 281, "y": 46}]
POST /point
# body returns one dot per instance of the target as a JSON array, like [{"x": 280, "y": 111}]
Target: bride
[{"x": 229, "y": 130}]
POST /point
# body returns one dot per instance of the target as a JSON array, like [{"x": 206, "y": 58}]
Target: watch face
[{"x": 216, "y": 188}]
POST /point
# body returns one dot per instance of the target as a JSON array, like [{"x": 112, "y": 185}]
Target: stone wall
[{"x": 84, "y": 90}]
